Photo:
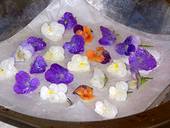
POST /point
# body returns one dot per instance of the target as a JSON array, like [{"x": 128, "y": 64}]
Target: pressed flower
[
  {"x": 55, "y": 93},
  {"x": 52, "y": 31},
  {"x": 106, "y": 109},
  {"x": 24, "y": 52},
  {"x": 37, "y": 43},
  {"x": 84, "y": 92},
  {"x": 24, "y": 84},
  {"x": 142, "y": 60},
  {"x": 76, "y": 45},
  {"x": 128, "y": 46},
  {"x": 117, "y": 68},
  {"x": 99, "y": 55},
  {"x": 99, "y": 79},
  {"x": 85, "y": 32},
  {"x": 108, "y": 37},
  {"x": 119, "y": 92},
  {"x": 7, "y": 68},
  {"x": 68, "y": 20},
  {"x": 79, "y": 63},
  {"x": 55, "y": 54},
  {"x": 58, "y": 74},
  {"x": 38, "y": 66}
]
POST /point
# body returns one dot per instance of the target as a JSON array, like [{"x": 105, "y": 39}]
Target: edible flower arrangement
[{"x": 82, "y": 59}]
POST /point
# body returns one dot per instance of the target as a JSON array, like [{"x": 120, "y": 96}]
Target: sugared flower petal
[
  {"x": 52, "y": 31},
  {"x": 55, "y": 54},
  {"x": 117, "y": 68},
  {"x": 79, "y": 63},
  {"x": 58, "y": 74},
  {"x": 38, "y": 66},
  {"x": 24, "y": 84},
  {"x": 68, "y": 20},
  {"x": 84, "y": 92},
  {"x": 106, "y": 109},
  {"x": 119, "y": 92},
  {"x": 99, "y": 79},
  {"x": 108, "y": 37},
  {"x": 76, "y": 45},
  {"x": 7, "y": 69}
]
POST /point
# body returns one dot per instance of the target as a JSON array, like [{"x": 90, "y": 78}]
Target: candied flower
[
  {"x": 24, "y": 52},
  {"x": 128, "y": 46},
  {"x": 100, "y": 55},
  {"x": 52, "y": 31},
  {"x": 58, "y": 74},
  {"x": 84, "y": 92},
  {"x": 117, "y": 68},
  {"x": 7, "y": 68},
  {"x": 99, "y": 79},
  {"x": 38, "y": 66},
  {"x": 119, "y": 92},
  {"x": 55, "y": 93},
  {"x": 106, "y": 109},
  {"x": 55, "y": 53},
  {"x": 68, "y": 20},
  {"x": 37, "y": 43},
  {"x": 79, "y": 63},
  {"x": 108, "y": 37},
  {"x": 24, "y": 84},
  {"x": 142, "y": 60},
  {"x": 76, "y": 45},
  {"x": 85, "y": 32}
]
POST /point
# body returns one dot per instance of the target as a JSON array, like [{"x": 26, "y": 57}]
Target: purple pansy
[
  {"x": 107, "y": 57},
  {"x": 128, "y": 46},
  {"x": 142, "y": 60},
  {"x": 37, "y": 43},
  {"x": 68, "y": 20},
  {"x": 38, "y": 66},
  {"x": 24, "y": 84},
  {"x": 77, "y": 27},
  {"x": 58, "y": 74},
  {"x": 76, "y": 45},
  {"x": 108, "y": 37}
]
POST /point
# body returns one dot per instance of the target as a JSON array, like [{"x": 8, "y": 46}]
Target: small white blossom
[
  {"x": 99, "y": 79},
  {"x": 7, "y": 69},
  {"x": 106, "y": 109},
  {"x": 55, "y": 53},
  {"x": 117, "y": 68},
  {"x": 79, "y": 63},
  {"x": 119, "y": 92},
  {"x": 53, "y": 31},
  {"x": 55, "y": 93}
]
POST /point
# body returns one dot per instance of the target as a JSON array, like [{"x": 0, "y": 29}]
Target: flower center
[
  {"x": 116, "y": 66},
  {"x": 50, "y": 92},
  {"x": 82, "y": 64},
  {"x": 20, "y": 54},
  {"x": 49, "y": 29},
  {"x": 1, "y": 71}
]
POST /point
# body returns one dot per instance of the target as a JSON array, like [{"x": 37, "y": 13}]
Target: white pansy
[
  {"x": 119, "y": 92},
  {"x": 53, "y": 31},
  {"x": 99, "y": 79},
  {"x": 117, "y": 68},
  {"x": 79, "y": 63},
  {"x": 55, "y": 53},
  {"x": 106, "y": 109},
  {"x": 55, "y": 93},
  {"x": 22, "y": 54},
  {"x": 7, "y": 69}
]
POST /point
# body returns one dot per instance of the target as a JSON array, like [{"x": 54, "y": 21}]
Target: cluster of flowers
[{"x": 139, "y": 59}]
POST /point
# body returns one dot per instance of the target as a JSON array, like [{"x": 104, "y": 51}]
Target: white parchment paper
[{"x": 32, "y": 104}]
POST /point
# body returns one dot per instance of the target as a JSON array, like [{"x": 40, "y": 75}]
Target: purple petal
[
  {"x": 107, "y": 57},
  {"x": 22, "y": 77},
  {"x": 77, "y": 27},
  {"x": 121, "y": 48},
  {"x": 39, "y": 65}
]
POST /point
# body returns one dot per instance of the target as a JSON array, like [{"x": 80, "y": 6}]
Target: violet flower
[
  {"x": 128, "y": 46},
  {"x": 68, "y": 20},
  {"x": 24, "y": 84},
  {"x": 141, "y": 60},
  {"x": 37, "y": 43},
  {"x": 38, "y": 66},
  {"x": 76, "y": 45},
  {"x": 77, "y": 27},
  {"x": 107, "y": 57},
  {"x": 58, "y": 74},
  {"x": 108, "y": 37}
]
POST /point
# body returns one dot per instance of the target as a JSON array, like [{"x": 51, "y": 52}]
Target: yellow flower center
[
  {"x": 51, "y": 92},
  {"x": 82, "y": 64},
  {"x": 116, "y": 66},
  {"x": 49, "y": 56},
  {"x": 49, "y": 29},
  {"x": 2, "y": 71}
]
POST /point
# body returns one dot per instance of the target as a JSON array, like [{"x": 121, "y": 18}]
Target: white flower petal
[
  {"x": 44, "y": 93},
  {"x": 59, "y": 87}
]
